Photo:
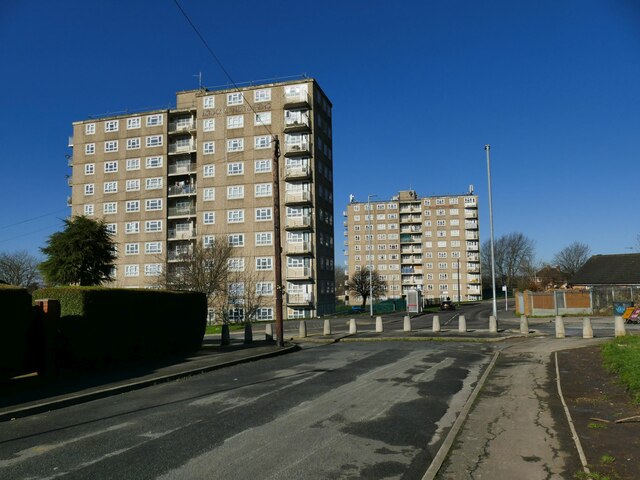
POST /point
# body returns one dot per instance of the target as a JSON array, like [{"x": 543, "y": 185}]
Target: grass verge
[{"x": 622, "y": 357}]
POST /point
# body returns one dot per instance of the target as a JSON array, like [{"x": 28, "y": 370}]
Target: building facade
[
  {"x": 431, "y": 244},
  {"x": 165, "y": 179}
]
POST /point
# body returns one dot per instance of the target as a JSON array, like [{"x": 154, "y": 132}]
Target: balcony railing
[
  {"x": 70, "y": 143},
  {"x": 300, "y": 98},
  {"x": 299, "y": 148},
  {"x": 70, "y": 161},
  {"x": 411, "y": 259},
  {"x": 182, "y": 211},
  {"x": 471, "y": 224},
  {"x": 298, "y": 247},
  {"x": 299, "y": 298},
  {"x": 297, "y": 273},
  {"x": 188, "y": 189},
  {"x": 182, "y": 147},
  {"x": 298, "y": 222},
  {"x": 297, "y": 197},
  {"x": 182, "y": 168},
  {"x": 472, "y": 235},
  {"x": 174, "y": 256},
  {"x": 303, "y": 171},
  {"x": 175, "y": 127},
  {"x": 301, "y": 122},
  {"x": 175, "y": 234},
  {"x": 473, "y": 257},
  {"x": 470, "y": 214}
]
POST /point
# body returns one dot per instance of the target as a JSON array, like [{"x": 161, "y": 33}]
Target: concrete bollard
[
  {"x": 353, "y": 328},
  {"x": 493, "y": 324},
  {"x": 248, "y": 333},
  {"x": 524, "y": 325},
  {"x": 462, "y": 324},
  {"x": 407, "y": 323},
  {"x": 268, "y": 332},
  {"x": 560, "y": 333},
  {"x": 436, "y": 323},
  {"x": 587, "y": 331},
  {"x": 379, "y": 327},
  {"x": 619, "y": 325},
  {"x": 327, "y": 327},
  {"x": 225, "y": 337},
  {"x": 303, "y": 329}
]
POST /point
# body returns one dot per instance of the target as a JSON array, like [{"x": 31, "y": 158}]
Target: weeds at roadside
[{"x": 596, "y": 425}]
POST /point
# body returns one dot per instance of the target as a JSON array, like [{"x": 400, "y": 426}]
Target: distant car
[
  {"x": 356, "y": 309},
  {"x": 447, "y": 305}
]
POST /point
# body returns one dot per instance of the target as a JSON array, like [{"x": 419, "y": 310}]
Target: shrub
[{"x": 17, "y": 321}]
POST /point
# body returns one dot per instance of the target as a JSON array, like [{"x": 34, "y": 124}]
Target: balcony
[
  {"x": 299, "y": 273},
  {"x": 175, "y": 234},
  {"x": 410, "y": 219},
  {"x": 409, "y": 208},
  {"x": 300, "y": 299},
  {"x": 473, "y": 267},
  {"x": 298, "y": 248},
  {"x": 181, "y": 127},
  {"x": 297, "y": 173},
  {"x": 182, "y": 168},
  {"x": 186, "y": 147},
  {"x": 411, "y": 259},
  {"x": 69, "y": 160},
  {"x": 473, "y": 246},
  {"x": 411, "y": 249},
  {"x": 69, "y": 201},
  {"x": 300, "y": 148},
  {"x": 178, "y": 256},
  {"x": 185, "y": 189},
  {"x": 292, "y": 223},
  {"x": 473, "y": 257},
  {"x": 70, "y": 143},
  {"x": 471, "y": 213},
  {"x": 69, "y": 182},
  {"x": 297, "y": 123},
  {"x": 182, "y": 211},
  {"x": 297, "y": 99},
  {"x": 471, "y": 224},
  {"x": 472, "y": 235},
  {"x": 292, "y": 198},
  {"x": 473, "y": 290},
  {"x": 410, "y": 238}
]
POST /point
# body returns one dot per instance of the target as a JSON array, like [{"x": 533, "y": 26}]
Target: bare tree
[
  {"x": 359, "y": 284},
  {"x": 340, "y": 275},
  {"x": 19, "y": 268},
  {"x": 571, "y": 258},
  {"x": 514, "y": 259},
  {"x": 244, "y": 294}
]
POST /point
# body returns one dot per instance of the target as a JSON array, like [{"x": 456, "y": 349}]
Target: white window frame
[
  {"x": 262, "y": 166},
  {"x": 133, "y": 123},
  {"x": 235, "y": 192},
  {"x": 152, "y": 248},
  {"x": 208, "y": 218},
  {"x": 264, "y": 263},
  {"x": 131, "y": 248},
  {"x": 111, "y": 126},
  {"x": 264, "y": 239},
  {"x": 235, "y": 145},
  {"x": 152, "y": 226},
  {"x": 209, "y": 101},
  {"x": 209, "y": 125},
  {"x": 110, "y": 187},
  {"x": 110, "y": 146},
  {"x": 89, "y": 128},
  {"x": 131, "y": 206},
  {"x": 235, "y": 121},
  {"x": 111, "y": 167},
  {"x": 235, "y": 216},
  {"x": 262, "y": 95},
  {"x": 131, "y": 228},
  {"x": 208, "y": 148},
  {"x": 154, "y": 120},
  {"x": 235, "y": 168},
  {"x": 90, "y": 149},
  {"x": 153, "y": 183},
  {"x": 234, "y": 98},
  {"x": 261, "y": 142},
  {"x": 152, "y": 204},
  {"x": 209, "y": 171},
  {"x": 263, "y": 190},
  {"x": 89, "y": 189},
  {"x": 208, "y": 194},
  {"x": 152, "y": 141},
  {"x": 110, "y": 208},
  {"x": 133, "y": 143},
  {"x": 264, "y": 214},
  {"x": 133, "y": 164},
  {"x": 153, "y": 162}
]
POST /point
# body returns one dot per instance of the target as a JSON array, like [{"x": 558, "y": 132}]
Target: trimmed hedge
[
  {"x": 104, "y": 325},
  {"x": 16, "y": 324}
]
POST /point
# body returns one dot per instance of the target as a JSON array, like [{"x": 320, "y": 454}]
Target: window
[
  {"x": 263, "y": 214},
  {"x": 236, "y": 168},
  {"x": 152, "y": 269},
  {"x": 209, "y": 218},
  {"x": 90, "y": 149},
  {"x": 133, "y": 123},
  {"x": 235, "y": 192},
  {"x": 112, "y": 228},
  {"x": 440, "y": 212},
  {"x": 208, "y": 241},
  {"x": 132, "y": 227},
  {"x": 262, "y": 95},
  {"x": 110, "y": 167},
  {"x": 208, "y": 102},
  {"x": 111, "y": 146},
  {"x": 236, "y": 240},
  {"x": 208, "y": 125},
  {"x": 89, "y": 189},
  {"x": 131, "y": 248},
  {"x": 209, "y": 194},
  {"x": 208, "y": 148},
  {"x": 152, "y": 247},
  {"x": 153, "y": 226},
  {"x": 89, "y": 168},
  {"x": 90, "y": 129},
  {"x": 262, "y": 118},
  {"x": 111, "y": 126},
  {"x": 262, "y": 166},
  {"x": 262, "y": 141},
  {"x": 236, "y": 264},
  {"x": 133, "y": 164},
  {"x": 264, "y": 263},
  {"x": 153, "y": 183},
  {"x": 89, "y": 209},
  {"x": 209, "y": 171},
  {"x": 132, "y": 206},
  {"x": 235, "y": 145},
  {"x": 153, "y": 162},
  {"x": 263, "y": 189},
  {"x": 110, "y": 208},
  {"x": 131, "y": 270},
  {"x": 263, "y": 238},
  {"x": 133, "y": 143},
  {"x": 110, "y": 187},
  {"x": 154, "y": 120},
  {"x": 234, "y": 98},
  {"x": 133, "y": 185},
  {"x": 235, "y": 121},
  {"x": 153, "y": 204},
  {"x": 264, "y": 288},
  {"x": 154, "y": 141},
  {"x": 439, "y": 201},
  {"x": 235, "y": 216}
]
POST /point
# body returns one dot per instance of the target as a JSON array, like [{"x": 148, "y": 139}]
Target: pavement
[{"x": 514, "y": 408}]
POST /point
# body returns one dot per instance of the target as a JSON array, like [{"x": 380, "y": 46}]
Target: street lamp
[
  {"x": 370, "y": 254},
  {"x": 493, "y": 264},
  {"x": 458, "y": 281}
]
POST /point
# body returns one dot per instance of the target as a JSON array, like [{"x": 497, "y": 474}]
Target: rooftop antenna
[{"x": 199, "y": 75}]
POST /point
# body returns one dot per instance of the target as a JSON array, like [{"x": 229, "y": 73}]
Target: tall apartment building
[
  {"x": 165, "y": 179},
  {"x": 425, "y": 243}
]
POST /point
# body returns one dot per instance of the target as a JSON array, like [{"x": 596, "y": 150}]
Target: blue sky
[{"x": 420, "y": 86}]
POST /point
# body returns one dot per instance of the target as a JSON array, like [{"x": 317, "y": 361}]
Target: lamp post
[
  {"x": 458, "y": 281},
  {"x": 370, "y": 254},
  {"x": 493, "y": 264}
]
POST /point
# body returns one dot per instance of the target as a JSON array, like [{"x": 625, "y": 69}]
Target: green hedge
[
  {"x": 102, "y": 325},
  {"x": 16, "y": 323}
]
